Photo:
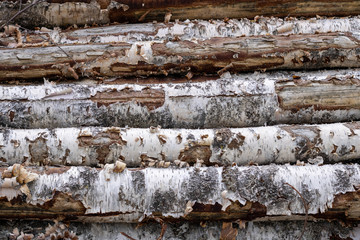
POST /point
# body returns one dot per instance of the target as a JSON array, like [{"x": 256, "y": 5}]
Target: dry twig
[{"x": 306, "y": 210}]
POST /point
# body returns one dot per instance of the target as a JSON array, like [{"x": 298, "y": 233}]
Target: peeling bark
[
  {"x": 160, "y": 58},
  {"x": 232, "y": 101},
  {"x": 315, "y": 144},
  {"x": 189, "y": 30},
  {"x": 61, "y": 13},
  {"x": 85, "y": 194},
  {"x": 179, "y": 230}
]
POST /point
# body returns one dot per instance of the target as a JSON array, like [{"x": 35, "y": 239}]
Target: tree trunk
[
  {"x": 180, "y": 230},
  {"x": 61, "y": 13},
  {"x": 113, "y": 194},
  {"x": 189, "y": 30},
  {"x": 211, "y": 56},
  {"x": 232, "y": 101},
  {"x": 317, "y": 144}
]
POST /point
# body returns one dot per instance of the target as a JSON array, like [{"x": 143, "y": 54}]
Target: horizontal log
[
  {"x": 247, "y": 193},
  {"x": 179, "y": 230},
  {"x": 246, "y": 100},
  {"x": 189, "y": 30},
  {"x": 160, "y": 58},
  {"x": 60, "y": 13},
  {"x": 316, "y": 144}
]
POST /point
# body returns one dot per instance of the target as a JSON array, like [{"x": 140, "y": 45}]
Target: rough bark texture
[
  {"x": 262, "y": 193},
  {"x": 211, "y": 56},
  {"x": 188, "y": 30},
  {"x": 232, "y": 101},
  {"x": 316, "y": 144},
  {"x": 180, "y": 230},
  {"x": 61, "y": 13}
]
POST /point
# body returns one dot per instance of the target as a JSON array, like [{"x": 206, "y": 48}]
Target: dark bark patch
[
  {"x": 306, "y": 138},
  {"x": 163, "y": 201},
  {"x": 195, "y": 152},
  {"x": 38, "y": 150},
  {"x": 202, "y": 185},
  {"x": 150, "y": 98},
  {"x": 101, "y": 142},
  {"x": 138, "y": 180}
]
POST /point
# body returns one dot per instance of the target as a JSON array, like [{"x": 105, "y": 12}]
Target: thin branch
[
  {"x": 57, "y": 45},
  {"x": 124, "y": 234},
  {"x": 163, "y": 227},
  {"x": 20, "y": 12},
  {"x": 306, "y": 210}
]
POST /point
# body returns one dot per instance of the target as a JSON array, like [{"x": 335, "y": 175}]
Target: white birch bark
[
  {"x": 316, "y": 144},
  {"x": 262, "y": 193},
  {"x": 246, "y": 100}
]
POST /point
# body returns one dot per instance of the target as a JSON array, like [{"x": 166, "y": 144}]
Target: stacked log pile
[{"x": 134, "y": 120}]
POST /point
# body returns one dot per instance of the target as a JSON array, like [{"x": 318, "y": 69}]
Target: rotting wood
[
  {"x": 189, "y": 30},
  {"x": 61, "y": 13},
  {"x": 177, "y": 230},
  {"x": 161, "y": 58},
  {"x": 247, "y": 193},
  {"x": 162, "y": 148},
  {"x": 245, "y": 100}
]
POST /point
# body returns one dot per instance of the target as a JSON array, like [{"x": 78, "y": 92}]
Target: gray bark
[
  {"x": 179, "y": 230},
  {"x": 131, "y": 195},
  {"x": 232, "y": 101}
]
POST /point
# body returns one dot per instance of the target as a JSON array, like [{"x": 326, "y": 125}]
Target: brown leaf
[{"x": 228, "y": 232}]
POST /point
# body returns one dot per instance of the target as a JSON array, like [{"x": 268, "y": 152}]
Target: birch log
[
  {"x": 316, "y": 144},
  {"x": 246, "y": 193},
  {"x": 180, "y": 230},
  {"x": 160, "y": 58},
  {"x": 246, "y": 100},
  {"x": 188, "y": 30},
  {"x": 80, "y": 12}
]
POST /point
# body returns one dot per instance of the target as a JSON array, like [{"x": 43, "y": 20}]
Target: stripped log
[
  {"x": 233, "y": 101},
  {"x": 61, "y": 12},
  {"x": 179, "y": 230},
  {"x": 246, "y": 193},
  {"x": 211, "y": 56},
  {"x": 317, "y": 144},
  {"x": 188, "y": 30}
]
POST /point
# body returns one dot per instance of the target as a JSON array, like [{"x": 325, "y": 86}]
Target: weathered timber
[
  {"x": 246, "y": 100},
  {"x": 189, "y": 30},
  {"x": 61, "y": 13},
  {"x": 316, "y": 144},
  {"x": 247, "y": 193},
  {"x": 179, "y": 230},
  {"x": 160, "y": 58}
]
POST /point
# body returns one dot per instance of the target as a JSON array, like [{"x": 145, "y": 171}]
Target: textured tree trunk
[
  {"x": 113, "y": 194},
  {"x": 189, "y": 30},
  {"x": 316, "y": 144},
  {"x": 64, "y": 13},
  {"x": 232, "y": 101},
  {"x": 211, "y": 56},
  {"x": 180, "y": 230}
]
